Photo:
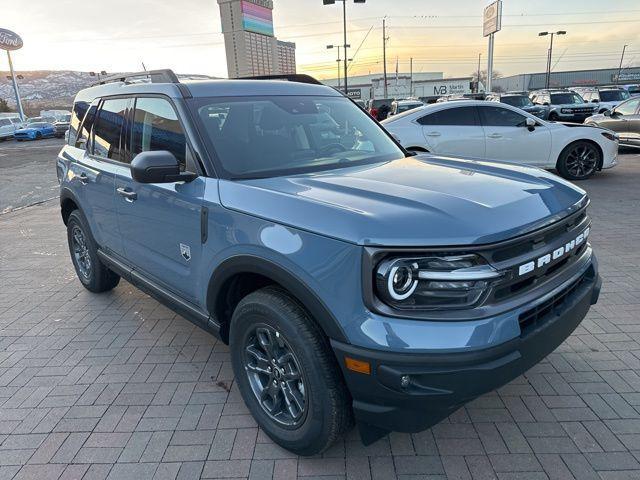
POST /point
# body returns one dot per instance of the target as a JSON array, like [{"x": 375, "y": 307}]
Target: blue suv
[{"x": 355, "y": 282}]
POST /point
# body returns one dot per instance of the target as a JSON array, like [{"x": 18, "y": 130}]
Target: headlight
[
  {"x": 434, "y": 282},
  {"x": 565, "y": 110}
]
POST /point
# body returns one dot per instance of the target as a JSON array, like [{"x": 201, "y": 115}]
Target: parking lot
[{"x": 117, "y": 386}]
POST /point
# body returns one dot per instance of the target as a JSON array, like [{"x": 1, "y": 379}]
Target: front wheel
[
  {"x": 287, "y": 373},
  {"x": 579, "y": 160}
]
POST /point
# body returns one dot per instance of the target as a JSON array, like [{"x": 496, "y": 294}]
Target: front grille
[
  {"x": 582, "y": 110},
  {"x": 540, "y": 314}
]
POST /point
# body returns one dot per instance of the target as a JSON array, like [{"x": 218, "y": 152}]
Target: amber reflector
[{"x": 357, "y": 365}]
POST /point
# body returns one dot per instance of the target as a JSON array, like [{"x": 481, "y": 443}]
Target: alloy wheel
[
  {"x": 81, "y": 252},
  {"x": 582, "y": 160},
  {"x": 275, "y": 376}
]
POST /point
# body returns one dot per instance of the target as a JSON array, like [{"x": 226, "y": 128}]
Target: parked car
[
  {"x": 40, "y": 120},
  {"x": 352, "y": 280},
  {"x": 7, "y": 129},
  {"x": 606, "y": 98},
  {"x": 520, "y": 100},
  {"x": 623, "y": 119},
  {"x": 401, "y": 106},
  {"x": 374, "y": 106},
  {"x": 634, "y": 89},
  {"x": 497, "y": 131},
  {"x": 35, "y": 131},
  {"x": 61, "y": 126},
  {"x": 564, "y": 105}
]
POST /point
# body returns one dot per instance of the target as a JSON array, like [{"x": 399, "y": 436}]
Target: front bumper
[{"x": 439, "y": 383}]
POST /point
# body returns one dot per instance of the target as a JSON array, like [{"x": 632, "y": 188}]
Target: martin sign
[{"x": 9, "y": 40}]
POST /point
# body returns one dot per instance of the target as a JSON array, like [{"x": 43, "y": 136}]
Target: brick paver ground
[{"x": 116, "y": 386}]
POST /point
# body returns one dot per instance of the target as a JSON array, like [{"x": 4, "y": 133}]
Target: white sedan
[{"x": 491, "y": 131}]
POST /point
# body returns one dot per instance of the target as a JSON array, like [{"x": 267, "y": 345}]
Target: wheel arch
[
  {"x": 68, "y": 203},
  {"x": 240, "y": 275},
  {"x": 417, "y": 149},
  {"x": 587, "y": 140}
]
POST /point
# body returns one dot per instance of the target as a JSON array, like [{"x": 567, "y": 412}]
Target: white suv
[
  {"x": 606, "y": 98},
  {"x": 7, "y": 127},
  {"x": 496, "y": 131}
]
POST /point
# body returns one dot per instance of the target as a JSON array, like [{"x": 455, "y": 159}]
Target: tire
[
  {"x": 579, "y": 160},
  {"x": 322, "y": 413},
  {"x": 92, "y": 273}
]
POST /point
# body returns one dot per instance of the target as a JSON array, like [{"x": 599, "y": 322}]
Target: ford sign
[{"x": 9, "y": 40}]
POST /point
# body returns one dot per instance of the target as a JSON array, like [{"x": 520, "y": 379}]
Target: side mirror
[
  {"x": 595, "y": 100},
  {"x": 608, "y": 113},
  {"x": 530, "y": 123},
  {"x": 546, "y": 104},
  {"x": 158, "y": 167}
]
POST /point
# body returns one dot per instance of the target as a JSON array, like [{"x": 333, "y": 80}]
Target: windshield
[
  {"x": 517, "y": 100},
  {"x": 65, "y": 118},
  {"x": 269, "y": 136},
  {"x": 613, "y": 95},
  {"x": 564, "y": 98}
]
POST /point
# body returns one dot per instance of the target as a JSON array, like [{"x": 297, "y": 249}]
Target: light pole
[
  {"x": 620, "y": 67},
  {"x": 544, "y": 34},
  {"x": 345, "y": 46},
  {"x": 339, "y": 60}
]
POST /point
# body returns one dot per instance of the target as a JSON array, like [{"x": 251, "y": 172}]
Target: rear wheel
[
  {"x": 38, "y": 135},
  {"x": 92, "y": 273},
  {"x": 287, "y": 373},
  {"x": 579, "y": 160}
]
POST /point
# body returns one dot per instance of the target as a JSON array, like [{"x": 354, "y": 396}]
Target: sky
[{"x": 440, "y": 36}]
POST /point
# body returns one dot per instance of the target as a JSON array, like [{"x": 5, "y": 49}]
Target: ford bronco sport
[{"x": 353, "y": 281}]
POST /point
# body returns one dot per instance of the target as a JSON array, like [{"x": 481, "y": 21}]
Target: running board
[{"x": 164, "y": 296}]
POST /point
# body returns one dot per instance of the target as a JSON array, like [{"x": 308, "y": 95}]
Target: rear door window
[
  {"x": 156, "y": 127},
  {"x": 457, "y": 116},
  {"x": 108, "y": 129},
  {"x": 500, "y": 117}
]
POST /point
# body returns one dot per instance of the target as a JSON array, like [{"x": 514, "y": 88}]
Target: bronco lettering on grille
[{"x": 554, "y": 255}]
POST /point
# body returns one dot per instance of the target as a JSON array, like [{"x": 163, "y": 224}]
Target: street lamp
[
  {"x": 329, "y": 47},
  {"x": 550, "y": 53},
  {"x": 344, "y": 23}
]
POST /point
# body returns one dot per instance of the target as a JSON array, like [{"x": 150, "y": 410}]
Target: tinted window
[
  {"x": 107, "y": 130},
  {"x": 613, "y": 95},
  {"x": 156, "y": 127},
  {"x": 459, "y": 116},
  {"x": 82, "y": 135},
  {"x": 628, "y": 108},
  {"x": 516, "y": 100},
  {"x": 566, "y": 98},
  {"x": 267, "y": 136},
  {"x": 500, "y": 117},
  {"x": 4, "y": 122}
]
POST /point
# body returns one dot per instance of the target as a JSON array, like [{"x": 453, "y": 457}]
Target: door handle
[
  {"x": 494, "y": 135},
  {"x": 83, "y": 178},
  {"x": 128, "y": 195},
  {"x": 433, "y": 134}
]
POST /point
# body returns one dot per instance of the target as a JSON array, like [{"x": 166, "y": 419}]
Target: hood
[
  {"x": 416, "y": 201},
  {"x": 26, "y": 130}
]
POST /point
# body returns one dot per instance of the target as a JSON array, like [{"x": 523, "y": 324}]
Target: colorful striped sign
[{"x": 257, "y": 19}]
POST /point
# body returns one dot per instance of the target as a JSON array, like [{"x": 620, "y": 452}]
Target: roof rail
[
  {"x": 294, "y": 77},
  {"x": 154, "y": 76}
]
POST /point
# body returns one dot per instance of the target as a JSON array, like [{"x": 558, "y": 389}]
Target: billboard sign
[
  {"x": 354, "y": 93},
  {"x": 9, "y": 40},
  {"x": 257, "y": 17},
  {"x": 492, "y": 18}
]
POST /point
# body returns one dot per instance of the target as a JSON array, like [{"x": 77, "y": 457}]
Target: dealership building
[
  {"x": 251, "y": 46},
  {"x": 427, "y": 86},
  {"x": 574, "y": 78}
]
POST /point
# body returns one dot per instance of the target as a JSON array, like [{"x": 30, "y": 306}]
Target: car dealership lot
[
  {"x": 117, "y": 385},
  {"x": 27, "y": 172}
]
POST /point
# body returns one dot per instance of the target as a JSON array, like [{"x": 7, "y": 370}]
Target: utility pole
[
  {"x": 478, "y": 77},
  {"x": 384, "y": 54},
  {"x": 620, "y": 67},
  {"x": 344, "y": 19},
  {"x": 411, "y": 77}
]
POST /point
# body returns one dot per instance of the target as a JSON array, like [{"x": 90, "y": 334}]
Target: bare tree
[{"x": 483, "y": 76}]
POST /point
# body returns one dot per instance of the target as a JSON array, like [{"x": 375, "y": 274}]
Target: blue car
[
  {"x": 35, "y": 131},
  {"x": 354, "y": 281}
]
